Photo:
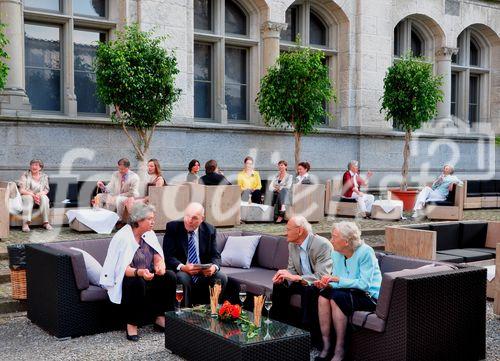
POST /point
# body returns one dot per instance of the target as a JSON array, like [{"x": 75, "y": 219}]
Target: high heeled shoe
[{"x": 133, "y": 338}]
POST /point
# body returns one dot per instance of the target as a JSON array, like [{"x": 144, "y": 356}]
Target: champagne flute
[
  {"x": 179, "y": 295},
  {"x": 268, "y": 303},
  {"x": 242, "y": 294}
]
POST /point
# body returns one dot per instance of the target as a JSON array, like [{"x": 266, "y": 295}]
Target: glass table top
[{"x": 233, "y": 331}]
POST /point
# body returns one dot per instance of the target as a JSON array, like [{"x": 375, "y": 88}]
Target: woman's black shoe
[
  {"x": 158, "y": 328},
  {"x": 319, "y": 358},
  {"x": 134, "y": 338}
]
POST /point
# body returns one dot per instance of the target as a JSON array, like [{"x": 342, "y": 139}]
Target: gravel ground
[{"x": 21, "y": 340}]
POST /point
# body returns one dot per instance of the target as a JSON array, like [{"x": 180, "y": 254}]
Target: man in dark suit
[
  {"x": 187, "y": 244},
  {"x": 212, "y": 176}
]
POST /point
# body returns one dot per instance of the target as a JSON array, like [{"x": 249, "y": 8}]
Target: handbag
[{"x": 15, "y": 200}]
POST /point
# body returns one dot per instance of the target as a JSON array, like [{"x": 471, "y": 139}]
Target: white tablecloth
[
  {"x": 99, "y": 220},
  {"x": 388, "y": 205}
]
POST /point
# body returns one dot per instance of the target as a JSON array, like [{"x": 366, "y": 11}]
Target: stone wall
[{"x": 91, "y": 151}]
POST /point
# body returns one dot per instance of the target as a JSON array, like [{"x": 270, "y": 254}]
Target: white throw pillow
[
  {"x": 239, "y": 251},
  {"x": 93, "y": 267}
]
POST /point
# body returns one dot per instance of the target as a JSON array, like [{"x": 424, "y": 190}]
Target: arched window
[
  {"x": 317, "y": 31},
  {"x": 470, "y": 72},
  {"x": 409, "y": 34},
  {"x": 222, "y": 53},
  {"x": 321, "y": 34},
  {"x": 236, "y": 19}
]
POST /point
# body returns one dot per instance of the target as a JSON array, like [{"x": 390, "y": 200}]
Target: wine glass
[
  {"x": 243, "y": 293},
  {"x": 179, "y": 295},
  {"x": 268, "y": 303}
]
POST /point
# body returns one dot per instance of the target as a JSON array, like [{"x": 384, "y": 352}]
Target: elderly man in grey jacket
[{"x": 309, "y": 258}]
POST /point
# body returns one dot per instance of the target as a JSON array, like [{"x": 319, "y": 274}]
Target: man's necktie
[{"x": 192, "y": 256}]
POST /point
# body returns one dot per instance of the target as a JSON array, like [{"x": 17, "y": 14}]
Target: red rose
[{"x": 236, "y": 311}]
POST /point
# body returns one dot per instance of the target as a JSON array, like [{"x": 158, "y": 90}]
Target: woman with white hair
[
  {"x": 353, "y": 286},
  {"x": 438, "y": 191},
  {"x": 135, "y": 275}
]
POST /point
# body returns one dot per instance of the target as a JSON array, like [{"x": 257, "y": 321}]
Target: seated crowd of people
[
  {"x": 125, "y": 188},
  {"x": 334, "y": 277}
]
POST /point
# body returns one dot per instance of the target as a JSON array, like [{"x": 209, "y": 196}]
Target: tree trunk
[
  {"x": 406, "y": 159},
  {"x": 297, "y": 136}
]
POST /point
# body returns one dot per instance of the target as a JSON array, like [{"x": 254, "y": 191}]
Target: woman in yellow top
[{"x": 249, "y": 182}]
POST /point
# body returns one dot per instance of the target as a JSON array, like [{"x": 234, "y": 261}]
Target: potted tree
[
  {"x": 135, "y": 74},
  {"x": 411, "y": 94},
  {"x": 4, "y": 69},
  {"x": 294, "y": 91}
]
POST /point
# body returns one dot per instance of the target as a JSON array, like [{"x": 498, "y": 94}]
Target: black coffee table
[{"x": 196, "y": 336}]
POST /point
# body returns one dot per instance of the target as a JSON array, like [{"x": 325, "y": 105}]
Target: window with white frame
[
  {"x": 61, "y": 39},
  {"x": 470, "y": 72},
  {"x": 315, "y": 28},
  {"x": 222, "y": 48}
]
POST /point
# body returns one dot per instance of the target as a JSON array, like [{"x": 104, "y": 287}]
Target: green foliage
[
  {"x": 294, "y": 90},
  {"x": 411, "y": 93},
  {"x": 136, "y": 75},
  {"x": 4, "y": 69},
  {"x": 497, "y": 140}
]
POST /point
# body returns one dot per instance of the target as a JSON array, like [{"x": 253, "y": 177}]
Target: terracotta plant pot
[{"x": 407, "y": 197}]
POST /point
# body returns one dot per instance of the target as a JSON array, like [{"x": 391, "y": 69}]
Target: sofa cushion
[
  {"x": 492, "y": 251},
  {"x": 371, "y": 321},
  {"x": 488, "y": 187},
  {"x": 449, "y": 201},
  {"x": 221, "y": 239},
  {"x": 473, "y": 234},
  {"x": 393, "y": 263},
  {"x": 93, "y": 267},
  {"x": 258, "y": 280},
  {"x": 448, "y": 258},
  {"x": 266, "y": 250},
  {"x": 473, "y": 188},
  {"x": 388, "y": 279},
  {"x": 447, "y": 235},
  {"x": 93, "y": 293},
  {"x": 281, "y": 255},
  {"x": 239, "y": 251},
  {"x": 347, "y": 200},
  {"x": 230, "y": 270},
  {"x": 98, "y": 248},
  {"x": 497, "y": 186},
  {"x": 469, "y": 256}
]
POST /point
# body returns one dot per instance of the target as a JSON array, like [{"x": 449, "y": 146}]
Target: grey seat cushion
[
  {"x": 449, "y": 258},
  {"x": 231, "y": 270},
  {"x": 371, "y": 321},
  {"x": 473, "y": 234},
  {"x": 388, "y": 280},
  {"x": 447, "y": 235},
  {"x": 492, "y": 251},
  {"x": 392, "y": 263},
  {"x": 93, "y": 293},
  {"x": 258, "y": 280},
  {"x": 469, "y": 256}
]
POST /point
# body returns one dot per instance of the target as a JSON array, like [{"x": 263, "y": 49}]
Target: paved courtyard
[{"x": 21, "y": 340}]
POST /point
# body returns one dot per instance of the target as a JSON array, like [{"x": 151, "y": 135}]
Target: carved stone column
[
  {"x": 13, "y": 98},
  {"x": 271, "y": 42},
  {"x": 443, "y": 64}
]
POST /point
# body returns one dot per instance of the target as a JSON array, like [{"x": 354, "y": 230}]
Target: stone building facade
[{"x": 49, "y": 110}]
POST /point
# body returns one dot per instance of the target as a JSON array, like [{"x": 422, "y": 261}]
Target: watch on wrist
[{"x": 136, "y": 272}]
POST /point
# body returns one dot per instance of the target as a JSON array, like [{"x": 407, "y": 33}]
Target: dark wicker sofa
[{"x": 432, "y": 313}]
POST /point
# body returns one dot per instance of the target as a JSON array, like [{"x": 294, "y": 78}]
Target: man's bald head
[{"x": 194, "y": 214}]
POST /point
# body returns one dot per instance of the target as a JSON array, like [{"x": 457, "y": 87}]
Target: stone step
[
  {"x": 4, "y": 276},
  {"x": 8, "y": 305}
]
